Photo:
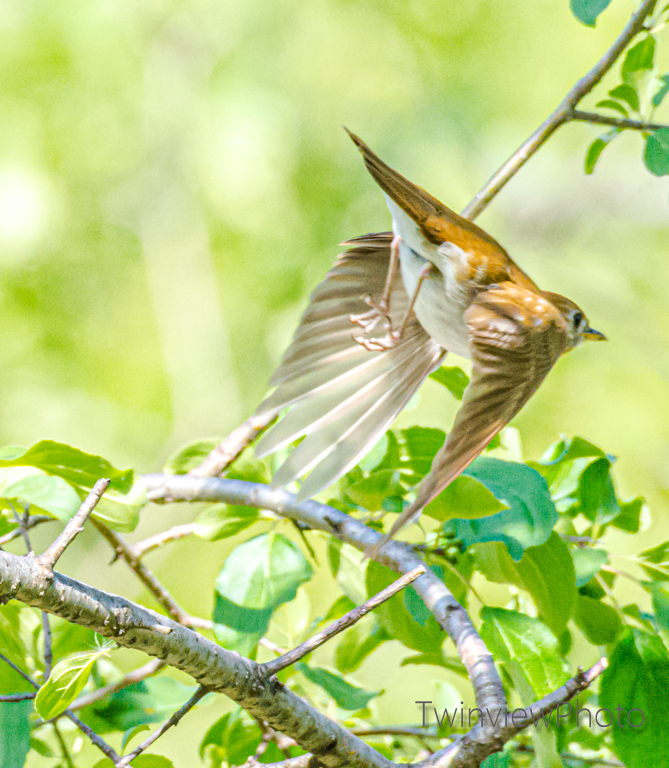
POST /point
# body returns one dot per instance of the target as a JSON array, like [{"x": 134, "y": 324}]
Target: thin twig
[
  {"x": 30, "y": 523},
  {"x": 63, "y": 746},
  {"x": 172, "y": 534},
  {"x": 127, "y": 552},
  {"x": 19, "y": 696},
  {"x": 617, "y": 122},
  {"x": 23, "y": 674},
  {"x": 397, "y": 730},
  {"x": 136, "y": 676},
  {"x": 562, "y": 114},
  {"x": 228, "y": 450},
  {"x": 22, "y": 528},
  {"x": 174, "y": 720},
  {"x": 99, "y": 742},
  {"x": 276, "y": 665},
  {"x": 74, "y": 526},
  {"x": 48, "y": 655}
]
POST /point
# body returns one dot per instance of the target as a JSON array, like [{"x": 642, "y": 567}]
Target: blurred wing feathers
[{"x": 340, "y": 395}]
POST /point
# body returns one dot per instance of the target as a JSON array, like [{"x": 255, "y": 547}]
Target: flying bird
[{"x": 437, "y": 283}]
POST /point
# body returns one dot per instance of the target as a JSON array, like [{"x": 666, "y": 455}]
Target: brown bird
[{"x": 458, "y": 290}]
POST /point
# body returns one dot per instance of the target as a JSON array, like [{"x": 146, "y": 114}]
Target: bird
[{"x": 437, "y": 283}]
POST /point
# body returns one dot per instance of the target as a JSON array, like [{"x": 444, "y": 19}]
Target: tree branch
[
  {"x": 136, "y": 676},
  {"x": 561, "y": 115},
  {"x": 172, "y": 534},
  {"x": 616, "y": 122},
  {"x": 346, "y": 621},
  {"x": 174, "y": 720},
  {"x": 74, "y": 526},
  {"x": 242, "y": 680},
  {"x": 401, "y": 558}
]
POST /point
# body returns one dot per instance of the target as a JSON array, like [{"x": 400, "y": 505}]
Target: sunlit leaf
[
  {"x": 141, "y": 761},
  {"x": 662, "y": 91},
  {"x": 615, "y": 105},
  {"x": 525, "y": 642},
  {"x": 638, "y": 60},
  {"x": 28, "y": 485},
  {"x": 530, "y": 516},
  {"x": 626, "y": 93},
  {"x": 634, "y": 689},
  {"x": 656, "y": 155},
  {"x": 67, "y": 680},
  {"x": 453, "y": 378},
  {"x": 546, "y": 572},
  {"x": 597, "y": 494},
  {"x": 587, "y": 562},
  {"x": 660, "y": 593},
  {"x": 73, "y": 465},
  {"x": 464, "y": 498},
  {"x": 358, "y": 642},
  {"x": 190, "y": 456},
  {"x": 220, "y": 521},
  {"x": 258, "y": 576},
  {"x": 598, "y": 621},
  {"x": 346, "y": 695},
  {"x": 372, "y": 491},
  {"x": 587, "y": 11}
]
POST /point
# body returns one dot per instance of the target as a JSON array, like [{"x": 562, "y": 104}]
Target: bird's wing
[
  {"x": 340, "y": 396},
  {"x": 516, "y": 337}
]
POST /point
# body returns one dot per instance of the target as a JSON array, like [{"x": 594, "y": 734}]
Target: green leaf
[
  {"x": 662, "y": 91},
  {"x": 597, "y": 494},
  {"x": 358, "y": 642},
  {"x": 348, "y": 567},
  {"x": 626, "y": 93},
  {"x": 220, "y": 521},
  {"x": 587, "y": 562},
  {"x": 453, "y": 378},
  {"x": 637, "y": 679},
  {"x": 148, "y": 701},
  {"x": 258, "y": 576},
  {"x": 464, "y": 498},
  {"x": 545, "y": 571},
  {"x": 27, "y": 485},
  {"x": 372, "y": 491},
  {"x": 638, "y": 61},
  {"x": 593, "y": 154},
  {"x": 530, "y": 516},
  {"x": 660, "y": 593},
  {"x": 526, "y": 644},
  {"x": 658, "y": 555},
  {"x": 587, "y": 11},
  {"x": 418, "y": 446},
  {"x": 66, "y": 681},
  {"x": 398, "y": 615},
  {"x": 612, "y": 104},
  {"x": 629, "y": 519},
  {"x": 14, "y": 733},
  {"x": 232, "y": 740},
  {"x": 121, "y": 511},
  {"x": 598, "y": 621},
  {"x": 190, "y": 456},
  {"x": 75, "y": 466},
  {"x": 656, "y": 156},
  {"x": 347, "y": 696},
  {"x": 130, "y": 734}
]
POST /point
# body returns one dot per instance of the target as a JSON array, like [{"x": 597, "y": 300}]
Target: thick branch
[
  {"x": 242, "y": 680},
  {"x": 562, "y": 114},
  {"x": 451, "y": 616}
]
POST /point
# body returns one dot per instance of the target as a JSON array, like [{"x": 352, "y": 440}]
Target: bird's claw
[
  {"x": 369, "y": 320},
  {"x": 391, "y": 340}
]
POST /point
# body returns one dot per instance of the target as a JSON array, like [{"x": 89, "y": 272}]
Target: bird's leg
[
  {"x": 393, "y": 338},
  {"x": 369, "y": 320}
]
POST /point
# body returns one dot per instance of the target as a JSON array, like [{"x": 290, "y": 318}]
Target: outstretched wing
[
  {"x": 516, "y": 336},
  {"x": 340, "y": 396}
]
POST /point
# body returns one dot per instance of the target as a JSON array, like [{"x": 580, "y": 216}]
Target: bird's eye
[{"x": 577, "y": 319}]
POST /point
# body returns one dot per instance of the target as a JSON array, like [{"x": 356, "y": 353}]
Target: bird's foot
[
  {"x": 369, "y": 320},
  {"x": 389, "y": 341}
]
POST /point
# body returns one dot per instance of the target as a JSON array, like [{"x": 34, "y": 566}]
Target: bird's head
[{"x": 577, "y": 323}]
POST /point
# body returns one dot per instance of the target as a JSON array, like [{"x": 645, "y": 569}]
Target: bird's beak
[{"x": 590, "y": 334}]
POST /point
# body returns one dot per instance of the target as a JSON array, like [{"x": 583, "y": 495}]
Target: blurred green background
[{"x": 174, "y": 181}]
